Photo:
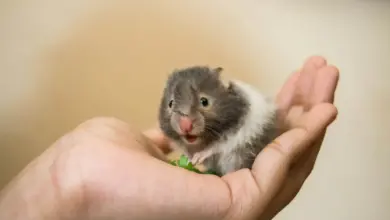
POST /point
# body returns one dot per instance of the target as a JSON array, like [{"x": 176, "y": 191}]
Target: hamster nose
[{"x": 185, "y": 124}]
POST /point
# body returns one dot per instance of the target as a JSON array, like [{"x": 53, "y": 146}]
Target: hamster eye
[
  {"x": 204, "y": 102},
  {"x": 170, "y": 104}
]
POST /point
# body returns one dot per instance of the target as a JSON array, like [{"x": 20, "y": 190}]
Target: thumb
[
  {"x": 158, "y": 138},
  {"x": 272, "y": 165}
]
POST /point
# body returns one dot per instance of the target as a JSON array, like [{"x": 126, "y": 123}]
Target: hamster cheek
[
  {"x": 209, "y": 112},
  {"x": 198, "y": 125}
]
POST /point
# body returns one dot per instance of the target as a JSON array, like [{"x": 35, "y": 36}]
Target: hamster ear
[
  {"x": 231, "y": 87},
  {"x": 217, "y": 71}
]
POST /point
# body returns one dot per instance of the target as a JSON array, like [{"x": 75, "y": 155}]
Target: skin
[{"x": 105, "y": 169}]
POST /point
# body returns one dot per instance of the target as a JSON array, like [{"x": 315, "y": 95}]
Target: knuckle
[
  {"x": 276, "y": 146},
  {"x": 104, "y": 129},
  {"x": 104, "y": 124},
  {"x": 334, "y": 111},
  {"x": 330, "y": 112},
  {"x": 100, "y": 121}
]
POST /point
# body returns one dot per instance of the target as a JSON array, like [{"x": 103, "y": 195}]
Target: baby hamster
[{"x": 223, "y": 126}]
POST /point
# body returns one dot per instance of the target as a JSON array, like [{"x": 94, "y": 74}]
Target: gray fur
[
  {"x": 184, "y": 86},
  {"x": 226, "y": 116},
  {"x": 244, "y": 156}
]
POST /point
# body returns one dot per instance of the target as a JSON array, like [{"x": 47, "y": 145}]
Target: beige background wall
[{"x": 62, "y": 62}]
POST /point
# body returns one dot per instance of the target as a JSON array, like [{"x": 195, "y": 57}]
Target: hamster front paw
[{"x": 199, "y": 157}]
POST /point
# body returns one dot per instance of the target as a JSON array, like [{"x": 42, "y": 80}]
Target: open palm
[{"x": 109, "y": 170}]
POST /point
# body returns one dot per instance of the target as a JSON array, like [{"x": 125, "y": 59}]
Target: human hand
[
  {"x": 307, "y": 90},
  {"x": 105, "y": 169}
]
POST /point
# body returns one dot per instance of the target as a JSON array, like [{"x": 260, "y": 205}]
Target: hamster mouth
[{"x": 191, "y": 138}]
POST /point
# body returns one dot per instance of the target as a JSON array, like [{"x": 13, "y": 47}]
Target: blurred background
[{"x": 63, "y": 62}]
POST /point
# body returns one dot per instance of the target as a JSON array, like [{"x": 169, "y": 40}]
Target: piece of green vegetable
[{"x": 183, "y": 162}]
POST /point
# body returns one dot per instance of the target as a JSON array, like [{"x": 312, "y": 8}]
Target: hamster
[{"x": 223, "y": 126}]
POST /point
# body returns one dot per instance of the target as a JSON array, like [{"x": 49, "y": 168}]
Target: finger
[
  {"x": 158, "y": 138},
  {"x": 294, "y": 182},
  {"x": 297, "y": 176},
  {"x": 272, "y": 165},
  {"x": 307, "y": 162},
  {"x": 323, "y": 111},
  {"x": 285, "y": 97},
  {"x": 307, "y": 80},
  {"x": 282, "y": 199},
  {"x": 316, "y": 61},
  {"x": 325, "y": 85}
]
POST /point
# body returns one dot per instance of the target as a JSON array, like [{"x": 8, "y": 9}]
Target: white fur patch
[{"x": 260, "y": 111}]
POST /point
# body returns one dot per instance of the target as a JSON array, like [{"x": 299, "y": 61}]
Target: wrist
[{"x": 36, "y": 193}]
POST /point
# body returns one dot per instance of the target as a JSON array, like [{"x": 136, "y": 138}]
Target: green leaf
[
  {"x": 211, "y": 172},
  {"x": 183, "y": 161},
  {"x": 190, "y": 165}
]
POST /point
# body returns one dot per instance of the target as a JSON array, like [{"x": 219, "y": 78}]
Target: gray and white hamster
[{"x": 224, "y": 126}]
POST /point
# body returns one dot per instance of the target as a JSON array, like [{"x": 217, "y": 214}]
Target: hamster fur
[{"x": 227, "y": 133}]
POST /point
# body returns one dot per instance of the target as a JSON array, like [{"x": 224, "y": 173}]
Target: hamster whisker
[{"x": 212, "y": 132}]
